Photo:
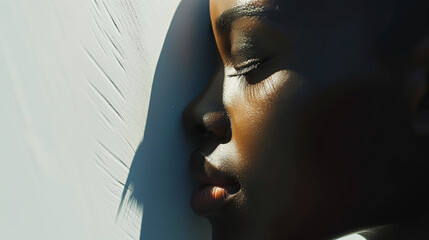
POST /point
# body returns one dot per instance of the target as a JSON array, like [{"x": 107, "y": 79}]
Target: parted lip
[
  {"x": 207, "y": 174},
  {"x": 217, "y": 187}
]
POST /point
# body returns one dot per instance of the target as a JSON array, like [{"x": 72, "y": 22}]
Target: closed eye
[
  {"x": 246, "y": 67},
  {"x": 257, "y": 70}
]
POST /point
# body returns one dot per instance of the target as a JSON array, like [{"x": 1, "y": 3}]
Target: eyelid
[{"x": 246, "y": 67}]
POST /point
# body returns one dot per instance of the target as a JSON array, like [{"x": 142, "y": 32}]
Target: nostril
[
  {"x": 209, "y": 121},
  {"x": 217, "y": 124},
  {"x": 221, "y": 136},
  {"x": 227, "y": 137}
]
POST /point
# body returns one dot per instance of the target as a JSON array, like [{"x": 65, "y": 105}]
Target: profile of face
[{"x": 311, "y": 125}]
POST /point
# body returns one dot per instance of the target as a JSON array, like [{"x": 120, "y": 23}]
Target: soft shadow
[{"x": 159, "y": 181}]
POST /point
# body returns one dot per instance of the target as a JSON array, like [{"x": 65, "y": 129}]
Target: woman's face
[{"x": 298, "y": 120}]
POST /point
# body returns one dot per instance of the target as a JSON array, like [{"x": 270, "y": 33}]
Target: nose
[
  {"x": 209, "y": 121},
  {"x": 207, "y": 116}
]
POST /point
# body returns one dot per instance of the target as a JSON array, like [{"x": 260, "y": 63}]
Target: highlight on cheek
[{"x": 270, "y": 88}]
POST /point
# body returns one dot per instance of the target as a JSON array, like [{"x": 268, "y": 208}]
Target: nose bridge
[{"x": 206, "y": 114}]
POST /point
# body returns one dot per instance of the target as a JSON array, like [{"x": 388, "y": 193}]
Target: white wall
[{"x": 91, "y": 95}]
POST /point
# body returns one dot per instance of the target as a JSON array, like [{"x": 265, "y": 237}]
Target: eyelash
[{"x": 246, "y": 68}]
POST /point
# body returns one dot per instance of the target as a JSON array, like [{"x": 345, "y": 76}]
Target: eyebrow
[{"x": 225, "y": 20}]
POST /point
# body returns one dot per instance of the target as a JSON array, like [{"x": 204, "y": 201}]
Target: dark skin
[{"x": 312, "y": 129}]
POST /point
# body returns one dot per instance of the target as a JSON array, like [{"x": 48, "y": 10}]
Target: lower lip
[{"x": 207, "y": 200}]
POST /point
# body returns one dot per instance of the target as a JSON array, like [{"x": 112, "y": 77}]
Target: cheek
[{"x": 258, "y": 118}]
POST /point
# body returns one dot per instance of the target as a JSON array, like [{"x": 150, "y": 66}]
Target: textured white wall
[{"x": 91, "y": 94}]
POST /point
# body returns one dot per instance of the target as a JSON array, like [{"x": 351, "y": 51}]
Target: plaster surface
[{"x": 91, "y": 143}]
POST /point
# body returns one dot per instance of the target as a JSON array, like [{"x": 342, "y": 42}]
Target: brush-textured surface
[{"x": 76, "y": 78}]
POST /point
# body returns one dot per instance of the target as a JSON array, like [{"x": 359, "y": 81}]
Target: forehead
[
  {"x": 313, "y": 16},
  {"x": 302, "y": 7},
  {"x": 217, "y": 7},
  {"x": 224, "y": 13}
]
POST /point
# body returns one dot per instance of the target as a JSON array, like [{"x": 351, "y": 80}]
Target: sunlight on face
[{"x": 352, "y": 237}]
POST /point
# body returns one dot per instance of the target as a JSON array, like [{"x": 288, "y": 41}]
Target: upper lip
[{"x": 207, "y": 174}]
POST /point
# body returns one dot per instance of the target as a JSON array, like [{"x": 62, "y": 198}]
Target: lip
[{"x": 216, "y": 189}]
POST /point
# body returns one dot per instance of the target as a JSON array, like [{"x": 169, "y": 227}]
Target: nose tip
[{"x": 205, "y": 120}]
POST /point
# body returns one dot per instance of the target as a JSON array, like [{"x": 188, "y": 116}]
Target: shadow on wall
[{"x": 159, "y": 181}]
